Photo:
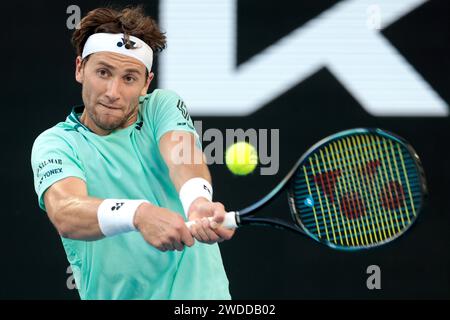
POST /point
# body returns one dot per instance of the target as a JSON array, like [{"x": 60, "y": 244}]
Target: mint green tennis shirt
[{"x": 127, "y": 164}]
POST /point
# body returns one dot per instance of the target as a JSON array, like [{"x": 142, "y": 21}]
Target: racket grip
[{"x": 229, "y": 222}]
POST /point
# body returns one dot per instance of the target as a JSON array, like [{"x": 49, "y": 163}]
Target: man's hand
[
  {"x": 162, "y": 228},
  {"x": 204, "y": 230}
]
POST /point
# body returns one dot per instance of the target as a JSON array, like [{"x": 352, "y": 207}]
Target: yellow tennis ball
[{"x": 241, "y": 158}]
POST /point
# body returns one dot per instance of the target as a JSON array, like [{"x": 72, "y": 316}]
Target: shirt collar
[{"x": 74, "y": 117}]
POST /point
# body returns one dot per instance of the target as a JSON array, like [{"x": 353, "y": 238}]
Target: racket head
[{"x": 357, "y": 189}]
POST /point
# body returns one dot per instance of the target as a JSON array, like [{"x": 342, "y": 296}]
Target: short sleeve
[
  {"x": 53, "y": 159},
  {"x": 169, "y": 113}
]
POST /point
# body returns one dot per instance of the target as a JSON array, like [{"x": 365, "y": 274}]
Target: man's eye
[
  {"x": 129, "y": 79},
  {"x": 102, "y": 73}
]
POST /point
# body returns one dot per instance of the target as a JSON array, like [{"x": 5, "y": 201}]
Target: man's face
[{"x": 112, "y": 84}]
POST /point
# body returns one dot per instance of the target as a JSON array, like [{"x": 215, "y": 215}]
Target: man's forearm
[
  {"x": 76, "y": 218},
  {"x": 183, "y": 158},
  {"x": 182, "y": 173}
]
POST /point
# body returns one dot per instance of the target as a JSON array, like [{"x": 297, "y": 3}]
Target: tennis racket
[{"x": 356, "y": 189}]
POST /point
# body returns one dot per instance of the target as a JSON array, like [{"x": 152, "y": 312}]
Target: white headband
[{"x": 116, "y": 43}]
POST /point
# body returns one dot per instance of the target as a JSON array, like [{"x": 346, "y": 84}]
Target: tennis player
[{"x": 111, "y": 180}]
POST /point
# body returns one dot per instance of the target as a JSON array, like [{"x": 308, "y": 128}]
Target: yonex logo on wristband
[
  {"x": 207, "y": 189},
  {"x": 117, "y": 206},
  {"x": 116, "y": 216}
]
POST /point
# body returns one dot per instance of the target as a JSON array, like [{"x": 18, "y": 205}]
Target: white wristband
[
  {"x": 193, "y": 189},
  {"x": 117, "y": 215}
]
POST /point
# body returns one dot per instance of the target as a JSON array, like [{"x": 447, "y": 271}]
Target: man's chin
[{"x": 109, "y": 125}]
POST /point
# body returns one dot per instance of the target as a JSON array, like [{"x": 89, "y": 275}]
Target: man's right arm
[
  {"x": 74, "y": 215},
  {"x": 72, "y": 211}
]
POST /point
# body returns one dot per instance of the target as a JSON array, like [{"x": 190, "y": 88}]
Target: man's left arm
[{"x": 187, "y": 168}]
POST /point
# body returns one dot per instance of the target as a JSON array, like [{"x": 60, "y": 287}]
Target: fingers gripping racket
[{"x": 356, "y": 189}]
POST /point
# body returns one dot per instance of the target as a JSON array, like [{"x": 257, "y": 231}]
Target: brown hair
[{"x": 129, "y": 21}]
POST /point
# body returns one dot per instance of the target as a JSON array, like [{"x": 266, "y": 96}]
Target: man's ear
[
  {"x": 147, "y": 84},
  {"x": 79, "y": 71}
]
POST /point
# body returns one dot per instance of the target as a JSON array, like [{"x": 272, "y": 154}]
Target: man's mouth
[{"x": 108, "y": 106}]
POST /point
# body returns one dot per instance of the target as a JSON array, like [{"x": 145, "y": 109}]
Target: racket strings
[{"x": 357, "y": 191}]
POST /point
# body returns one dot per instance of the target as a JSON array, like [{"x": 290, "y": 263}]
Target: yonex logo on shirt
[
  {"x": 50, "y": 173},
  {"x": 139, "y": 125},
  {"x": 185, "y": 124}
]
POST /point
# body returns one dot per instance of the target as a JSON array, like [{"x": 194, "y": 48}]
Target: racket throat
[{"x": 268, "y": 222}]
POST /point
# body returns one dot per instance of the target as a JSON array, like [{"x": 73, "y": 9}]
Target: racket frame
[{"x": 246, "y": 216}]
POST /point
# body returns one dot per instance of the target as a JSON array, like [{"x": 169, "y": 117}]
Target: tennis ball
[{"x": 241, "y": 158}]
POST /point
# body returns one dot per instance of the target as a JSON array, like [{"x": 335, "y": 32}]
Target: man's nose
[{"x": 112, "y": 92}]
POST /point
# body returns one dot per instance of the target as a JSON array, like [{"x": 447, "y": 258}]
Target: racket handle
[{"x": 229, "y": 222}]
